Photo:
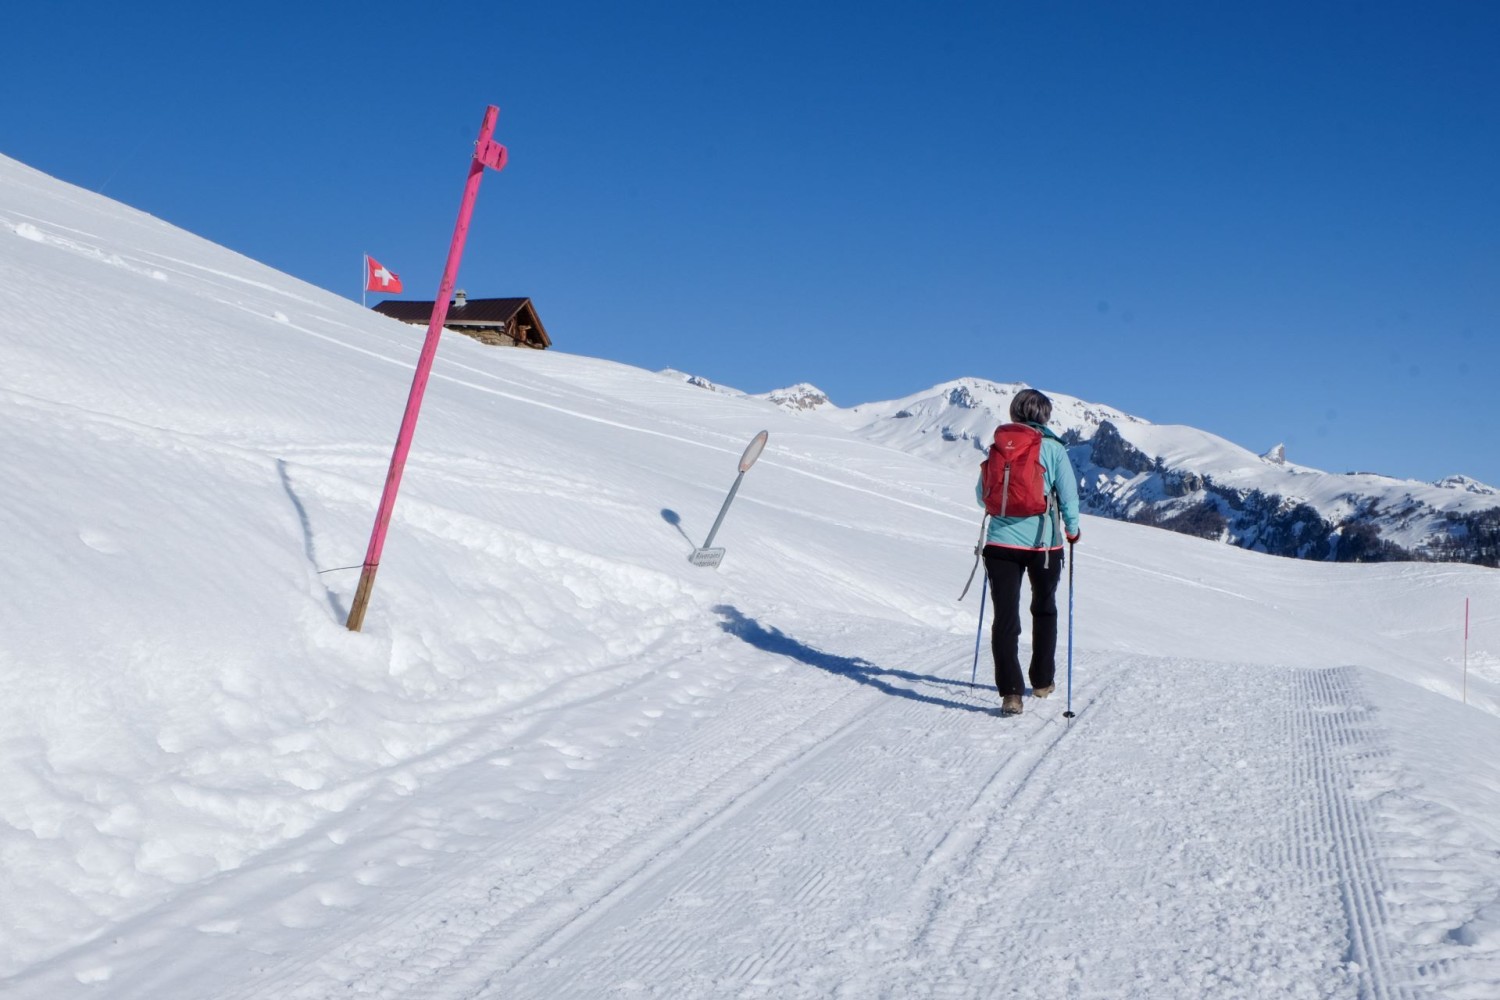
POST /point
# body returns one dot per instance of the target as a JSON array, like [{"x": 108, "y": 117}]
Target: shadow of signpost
[
  {"x": 307, "y": 538},
  {"x": 675, "y": 520},
  {"x": 857, "y": 669}
]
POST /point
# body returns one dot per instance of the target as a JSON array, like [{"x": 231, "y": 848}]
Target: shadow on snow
[{"x": 857, "y": 669}]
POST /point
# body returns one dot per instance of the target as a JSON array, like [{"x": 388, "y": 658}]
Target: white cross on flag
[{"x": 378, "y": 278}]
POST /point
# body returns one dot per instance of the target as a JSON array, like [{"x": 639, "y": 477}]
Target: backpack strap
[
  {"x": 1041, "y": 528},
  {"x": 1054, "y": 503}
]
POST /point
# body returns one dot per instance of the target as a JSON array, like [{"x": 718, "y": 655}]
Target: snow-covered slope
[
  {"x": 1183, "y": 478},
  {"x": 561, "y": 761}
]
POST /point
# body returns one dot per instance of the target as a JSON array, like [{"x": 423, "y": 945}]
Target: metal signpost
[{"x": 703, "y": 555}]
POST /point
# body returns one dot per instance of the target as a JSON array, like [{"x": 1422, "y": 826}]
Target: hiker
[{"x": 1024, "y": 501}]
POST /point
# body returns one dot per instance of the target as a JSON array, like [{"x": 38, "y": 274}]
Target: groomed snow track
[{"x": 928, "y": 847}]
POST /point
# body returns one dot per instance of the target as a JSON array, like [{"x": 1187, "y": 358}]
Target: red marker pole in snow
[{"x": 487, "y": 154}]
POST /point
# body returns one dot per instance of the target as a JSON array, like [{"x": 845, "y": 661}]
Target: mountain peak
[
  {"x": 699, "y": 381},
  {"x": 802, "y": 396},
  {"x": 1467, "y": 484}
]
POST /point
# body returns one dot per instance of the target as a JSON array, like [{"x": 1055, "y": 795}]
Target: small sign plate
[{"x": 707, "y": 557}]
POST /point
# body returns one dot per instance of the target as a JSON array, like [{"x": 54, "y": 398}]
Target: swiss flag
[{"x": 378, "y": 278}]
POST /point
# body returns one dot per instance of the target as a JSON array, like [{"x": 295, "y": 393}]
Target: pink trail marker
[{"x": 488, "y": 154}]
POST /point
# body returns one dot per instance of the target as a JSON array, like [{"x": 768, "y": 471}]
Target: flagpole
[{"x": 364, "y": 278}]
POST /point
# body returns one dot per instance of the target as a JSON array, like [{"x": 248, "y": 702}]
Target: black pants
[{"x": 1006, "y": 567}]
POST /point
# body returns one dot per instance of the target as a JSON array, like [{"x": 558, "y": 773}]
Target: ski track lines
[
  {"x": 571, "y": 866},
  {"x": 1348, "y": 752},
  {"x": 1334, "y": 830},
  {"x": 711, "y": 918},
  {"x": 973, "y": 875},
  {"x": 1221, "y": 882},
  {"x": 858, "y": 844}
]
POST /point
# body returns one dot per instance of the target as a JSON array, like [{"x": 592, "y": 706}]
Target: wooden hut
[{"x": 503, "y": 322}]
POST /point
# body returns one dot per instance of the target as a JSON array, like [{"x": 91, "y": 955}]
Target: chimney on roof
[{"x": 459, "y": 298}]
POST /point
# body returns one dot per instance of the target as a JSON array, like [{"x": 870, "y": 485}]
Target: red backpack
[{"x": 1015, "y": 482}]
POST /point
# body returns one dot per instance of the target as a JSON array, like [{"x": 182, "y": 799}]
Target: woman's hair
[{"x": 1030, "y": 407}]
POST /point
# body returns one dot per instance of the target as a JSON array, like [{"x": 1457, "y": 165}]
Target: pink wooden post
[{"x": 487, "y": 153}]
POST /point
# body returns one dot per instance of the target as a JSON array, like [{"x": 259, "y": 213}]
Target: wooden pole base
[{"x": 362, "y": 597}]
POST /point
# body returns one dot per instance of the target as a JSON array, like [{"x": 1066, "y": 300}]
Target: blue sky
[{"x": 1273, "y": 221}]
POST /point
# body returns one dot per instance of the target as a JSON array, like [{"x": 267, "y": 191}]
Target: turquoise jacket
[{"x": 1037, "y": 532}]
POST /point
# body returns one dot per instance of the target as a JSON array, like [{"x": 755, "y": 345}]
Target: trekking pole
[
  {"x": 978, "y": 556},
  {"x": 974, "y": 674},
  {"x": 1069, "y": 713}
]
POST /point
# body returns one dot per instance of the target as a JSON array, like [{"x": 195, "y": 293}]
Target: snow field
[{"x": 560, "y": 761}]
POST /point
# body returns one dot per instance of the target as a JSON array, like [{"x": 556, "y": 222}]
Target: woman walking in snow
[{"x": 1028, "y": 545}]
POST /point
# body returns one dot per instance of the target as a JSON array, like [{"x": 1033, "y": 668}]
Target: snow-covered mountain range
[{"x": 1189, "y": 480}]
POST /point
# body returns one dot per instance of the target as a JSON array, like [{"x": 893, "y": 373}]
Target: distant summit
[
  {"x": 954, "y": 422},
  {"x": 1468, "y": 485},
  {"x": 700, "y": 382},
  {"x": 802, "y": 396}
]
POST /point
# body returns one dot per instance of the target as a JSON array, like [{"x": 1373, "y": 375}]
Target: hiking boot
[
  {"x": 1043, "y": 692},
  {"x": 1010, "y": 705}
]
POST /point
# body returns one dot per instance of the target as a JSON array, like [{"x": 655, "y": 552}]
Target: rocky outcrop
[
  {"x": 1468, "y": 485},
  {"x": 801, "y": 396},
  {"x": 1109, "y": 450}
]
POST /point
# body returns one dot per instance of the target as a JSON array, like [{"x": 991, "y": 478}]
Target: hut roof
[{"x": 472, "y": 314}]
